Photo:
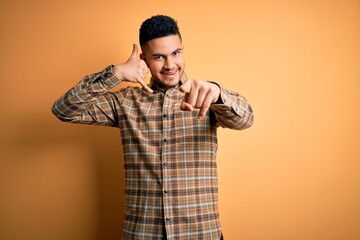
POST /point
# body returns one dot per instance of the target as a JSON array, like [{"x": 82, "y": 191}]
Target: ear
[{"x": 142, "y": 56}]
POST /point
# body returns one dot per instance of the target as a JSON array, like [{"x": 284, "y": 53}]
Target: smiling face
[{"x": 164, "y": 57}]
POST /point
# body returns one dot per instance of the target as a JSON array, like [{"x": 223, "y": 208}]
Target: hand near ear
[
  {"x": 198, "y": 95},
  {"x": 133, "y": 70}
]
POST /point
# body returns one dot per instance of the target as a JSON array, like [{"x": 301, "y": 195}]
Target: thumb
[
  {"x": 184, "y": 106},
  {"x": 185, "y": 86},
  {"x": 134, "y": 52}
]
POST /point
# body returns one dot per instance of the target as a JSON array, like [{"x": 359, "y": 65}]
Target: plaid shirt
[{"x": 171, "y": 182}]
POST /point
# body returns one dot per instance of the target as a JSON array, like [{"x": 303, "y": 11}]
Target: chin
[{"x": 170, "y": 82}]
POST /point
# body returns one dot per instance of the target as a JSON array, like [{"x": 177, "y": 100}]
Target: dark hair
[{"x": 156, "y": 27}]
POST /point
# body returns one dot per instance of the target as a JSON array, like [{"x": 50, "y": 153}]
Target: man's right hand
[{"x": 133, "y": 70}]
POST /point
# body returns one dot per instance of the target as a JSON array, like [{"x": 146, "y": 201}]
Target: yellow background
[{"x": 295, "y": 175}]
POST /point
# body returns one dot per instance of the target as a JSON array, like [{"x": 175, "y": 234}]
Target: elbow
[
  {"x": 55, "y": 111},
  {"x": 247, "y": 120}
]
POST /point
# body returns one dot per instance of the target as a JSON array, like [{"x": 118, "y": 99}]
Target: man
[{"x": 168, "y": 134}]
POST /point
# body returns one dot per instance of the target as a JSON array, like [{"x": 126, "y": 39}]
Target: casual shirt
[{"x": 171, "y": 181}]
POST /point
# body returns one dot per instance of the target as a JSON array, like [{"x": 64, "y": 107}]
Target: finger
[
  {"x": 186, "y": 86},
  {"x": 192, "y": 95},
  {"x": 134, "y": 52},
  {"x": 145, "y": 86},
  {"x": 201, "y": 94},
  {"x": 184, "y": 106},
  {"x": 205, "y": 106}
]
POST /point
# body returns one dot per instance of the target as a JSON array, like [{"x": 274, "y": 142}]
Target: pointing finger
[
  {"x": 184, "y": 106},
  {"x": 205, "y": 106},
  {"x": 186, "y": 86}
]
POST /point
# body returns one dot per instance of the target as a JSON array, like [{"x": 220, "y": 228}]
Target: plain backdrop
[{"x": 294, "y": 175}]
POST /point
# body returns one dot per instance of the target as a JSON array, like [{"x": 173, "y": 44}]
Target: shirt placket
[{"x": 165, "y": 162}]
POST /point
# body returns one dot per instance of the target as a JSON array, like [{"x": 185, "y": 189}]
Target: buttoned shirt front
[{"x": 171, "y": 181}]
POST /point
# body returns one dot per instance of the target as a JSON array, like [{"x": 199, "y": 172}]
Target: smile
[{"x": 169, "y": 73}]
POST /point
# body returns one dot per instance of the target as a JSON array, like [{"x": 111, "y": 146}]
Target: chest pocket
[
  {"x": 192, "y": 131},
  {"x": 184, "y": 124}
]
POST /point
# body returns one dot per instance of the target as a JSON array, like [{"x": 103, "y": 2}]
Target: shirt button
[
  {"x": 165, "y": 140},
  {"x": 165, "y": 115},
  {"x": 165, "y": 164},
  {"x": 167, "y": 219},
  {"x": 166, "y": 191}
]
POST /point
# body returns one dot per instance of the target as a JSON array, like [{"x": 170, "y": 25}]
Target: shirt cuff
[
  {"x": 108, "y": 78},
  {"x": 226, "y": 100}
]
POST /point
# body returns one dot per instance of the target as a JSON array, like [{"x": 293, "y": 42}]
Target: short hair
[{"x": 156, "y": 27}]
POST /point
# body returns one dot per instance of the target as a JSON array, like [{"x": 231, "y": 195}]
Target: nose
[{"x": 169, "y": 64}]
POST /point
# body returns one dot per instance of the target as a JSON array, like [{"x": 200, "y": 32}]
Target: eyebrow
[{"x": 163, "y": 55}]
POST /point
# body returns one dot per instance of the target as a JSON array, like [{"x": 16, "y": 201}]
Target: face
[{"x": 164, "y": 57}]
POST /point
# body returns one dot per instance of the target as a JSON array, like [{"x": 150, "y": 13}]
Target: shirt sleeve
[
  {"x": 233, "y": 111},
  {"x": 90, "y": 101}
]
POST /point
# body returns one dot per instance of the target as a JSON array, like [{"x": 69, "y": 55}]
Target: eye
[
  {"x": 177, "y": 52},
  {"x": 158, "y": 57}
]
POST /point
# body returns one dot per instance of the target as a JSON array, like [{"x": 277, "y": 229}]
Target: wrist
[
  {"x": 117, "y": 71},
  {"x": 217, "y": 89}
]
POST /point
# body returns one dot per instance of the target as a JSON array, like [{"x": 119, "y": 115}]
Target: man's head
[
  {"x": 162, "y": 49},
  {"x": 157, "y": 27}
]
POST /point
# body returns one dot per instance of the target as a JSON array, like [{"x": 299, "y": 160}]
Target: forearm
[
  {"x": 82, "y": 103},
  {"x": 232, "y": 110}
]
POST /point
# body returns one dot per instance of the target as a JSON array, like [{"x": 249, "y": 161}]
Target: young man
[{"x": 168, "y": 134}]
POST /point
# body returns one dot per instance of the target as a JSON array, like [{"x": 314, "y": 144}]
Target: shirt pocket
[
  {"x": 196, "y": 133},
  {"x": 183, "y": 123}
]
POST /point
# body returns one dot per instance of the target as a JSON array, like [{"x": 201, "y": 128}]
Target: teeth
[{"x": 169, "y": 73}]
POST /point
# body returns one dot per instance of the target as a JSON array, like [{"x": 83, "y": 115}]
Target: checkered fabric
[{"x": 171, "y": 181}]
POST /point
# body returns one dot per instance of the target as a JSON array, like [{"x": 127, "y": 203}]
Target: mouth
[{"x": 169, "y": 74}]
